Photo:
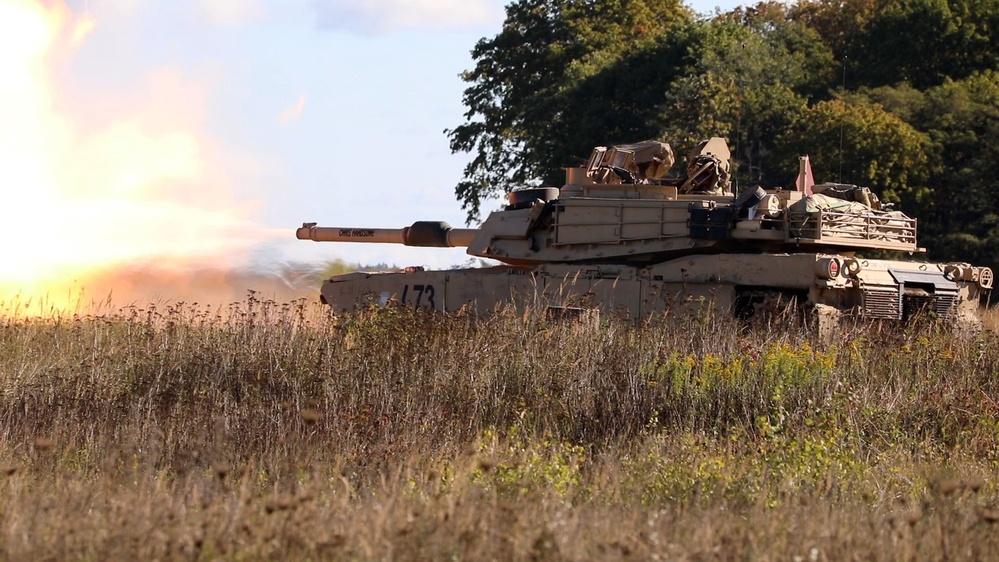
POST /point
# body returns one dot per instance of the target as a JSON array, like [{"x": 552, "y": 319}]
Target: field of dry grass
[{"x": 267, "y": 431}]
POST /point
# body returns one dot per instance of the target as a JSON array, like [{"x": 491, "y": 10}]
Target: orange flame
[{"x": 140, "y": 189}]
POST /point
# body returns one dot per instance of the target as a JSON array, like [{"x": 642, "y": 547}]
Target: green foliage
[
  {"x": 962, "y": 118},
  {"x": 743, "y": 466},
  {"x": 741, "y": 83},
  {"x": 924, "y": 42},
  {"x": 838, "y": 22},
  {"x": 860, "y": 143},
  {"x": 520, "y": 465},
  {"x": 339, "y": 267},
  {"x": 958, "y": 210}
]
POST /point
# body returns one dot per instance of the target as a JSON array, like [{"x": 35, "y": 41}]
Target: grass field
[{"x": 267, "y": 431}]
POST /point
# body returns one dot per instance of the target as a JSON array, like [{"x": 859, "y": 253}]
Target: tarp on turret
[{"x": 818, "y": 202}]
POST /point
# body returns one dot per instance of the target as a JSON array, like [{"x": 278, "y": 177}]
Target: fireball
[{"x": 80, "y": 199}]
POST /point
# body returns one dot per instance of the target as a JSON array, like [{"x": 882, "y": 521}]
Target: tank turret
[{"x": 626, "y": 232}]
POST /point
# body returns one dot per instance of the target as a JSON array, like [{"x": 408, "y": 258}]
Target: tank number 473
[{"x": 420, "y": 295}]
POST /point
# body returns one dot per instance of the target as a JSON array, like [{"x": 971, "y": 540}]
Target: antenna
[{"x": 839, "y": 175}]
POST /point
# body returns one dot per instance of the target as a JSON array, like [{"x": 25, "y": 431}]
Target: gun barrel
[{"x": 422, "y": 233}]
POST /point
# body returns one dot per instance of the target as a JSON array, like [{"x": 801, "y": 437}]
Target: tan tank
[{"x": 622, "y": 236}]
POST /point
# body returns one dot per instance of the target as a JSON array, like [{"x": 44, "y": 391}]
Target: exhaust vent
[{"x": 883, "y": 303}]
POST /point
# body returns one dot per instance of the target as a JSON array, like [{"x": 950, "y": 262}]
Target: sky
[{"x": 206, "y": 131}]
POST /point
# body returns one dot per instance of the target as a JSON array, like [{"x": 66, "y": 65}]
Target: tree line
[{"x": 898, "y": 95}]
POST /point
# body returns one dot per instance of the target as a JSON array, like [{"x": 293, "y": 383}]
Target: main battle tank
[{"x": 623, "y": 236}]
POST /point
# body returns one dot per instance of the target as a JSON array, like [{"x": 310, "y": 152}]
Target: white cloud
[
  {"x": 231, "y": 12},
  {"x": 368, "y": 16}
]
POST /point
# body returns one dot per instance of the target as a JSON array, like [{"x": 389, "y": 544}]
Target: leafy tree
[
  {"x": 962, "y": 119},
  {"x": 837, "y": 22},
  {"x": 885, "y": 42},
  {"x": 742, "y": 84},
  {"x": 618, "y": 101},
  {"x": 906, "y": 41},
  {"x": 516, "y": 99},
  {"x": 813, "y": 58},
  {"x": 901, "y": 100},
  {"x": 923, "y": 42},
  {"x": 859, "y": 143},
  {"x": 959, "y": 213},
  {"x": 976, "y": 37}
]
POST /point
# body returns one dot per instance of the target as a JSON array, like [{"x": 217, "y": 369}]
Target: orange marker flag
[{"x": 805, "y": 179}]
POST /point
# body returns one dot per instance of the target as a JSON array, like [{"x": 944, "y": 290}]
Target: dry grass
[{"x": 276, "y": 431}]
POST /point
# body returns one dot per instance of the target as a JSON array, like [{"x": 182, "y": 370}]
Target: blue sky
[{"x": 330, "y": 111}]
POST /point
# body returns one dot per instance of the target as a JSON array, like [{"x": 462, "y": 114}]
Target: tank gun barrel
[{"x": 431, "y": 234}]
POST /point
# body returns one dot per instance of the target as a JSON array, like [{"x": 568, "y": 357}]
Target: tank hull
[{"x": 831, "y": 286}]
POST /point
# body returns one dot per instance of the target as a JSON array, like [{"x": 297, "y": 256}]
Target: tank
[{"x": 623, "y": 235}]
